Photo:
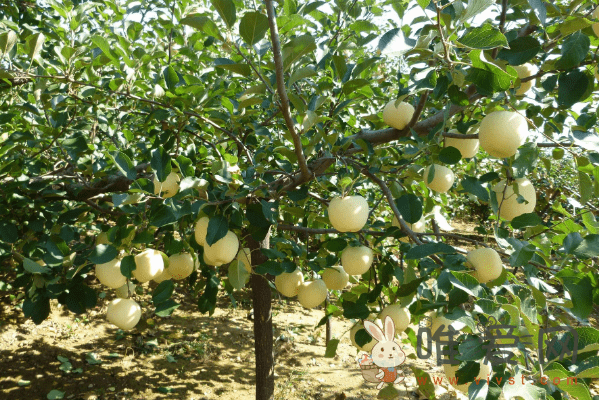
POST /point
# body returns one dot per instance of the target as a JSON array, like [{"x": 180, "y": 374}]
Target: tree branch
[{"x": 276, "y": 49}]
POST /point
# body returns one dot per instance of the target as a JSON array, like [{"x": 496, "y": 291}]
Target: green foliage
[{"x": 94, "y": 105}]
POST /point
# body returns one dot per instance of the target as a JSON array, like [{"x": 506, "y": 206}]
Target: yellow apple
[
  {"x": 123, "y": 291},
  {"x": 335, "y": 278},
  {"x": 224, "y": 250},
  {"x": 467, "y": 147},
  {"x": 169, "y": 187},
  {"x": 348, "y": 214},
  {"x": 244, "y": 256},
  {"x": 443, "y": 178},
  {"x": 124, "y": 313},
  {"x": 288, "y": 283},
  {"x": 148, "y": 265},
  {"x": 201, "y": 230},
  {"x": 486, "y": 263},
  {"x": 398, "y": 117},
  {"x": 400, "y": 316},
  {"x": 312, "y": 293},
  {"x": 418, "y": 226},
  {"x": 180, "y": 266},
  {"x": 508, "y": 201},
  {"x": 502, "y": 132},
  {"x": 450, "y": 370},
  {"x": 109, "y": 274},
  {"x": 357, "y": 260},
  {"x": 524, "y": 71}
]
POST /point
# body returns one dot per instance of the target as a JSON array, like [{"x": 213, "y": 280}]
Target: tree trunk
[{"x": 263, "y": 332}]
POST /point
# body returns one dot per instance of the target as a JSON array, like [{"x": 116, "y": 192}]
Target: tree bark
[{"x": 263, "y": 332}]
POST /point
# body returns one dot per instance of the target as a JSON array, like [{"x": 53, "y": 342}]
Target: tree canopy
[{"x": 266, "y": 111}]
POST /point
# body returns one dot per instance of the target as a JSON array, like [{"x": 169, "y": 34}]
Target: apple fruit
[
  {"x": 400, "y": 316},
  {"x": 169, "y": 187},
  {"x": 348, "y": 214},
  {"x": 467, "y": 147},
  {"x": 109, "y": 274},
  {"x": 288, "y": 283},
  {"x": 224, "y": 250},
  {"x": 486, "y": 263},
  {"x": 124, "y": 313},
  {"x": 335, "y": 278},
  {"x": 398, "y": 117},
  {"x": 442, "y": 180},
  {"x": 509, "y": 208},
  {"x": 357, "y": 260},
  {"x": 312, "y": 293},
  {"x": 148, "y": 265},
  {"x": 502, "y": 132}
]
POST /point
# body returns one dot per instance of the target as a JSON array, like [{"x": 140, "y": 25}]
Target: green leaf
[
  {"x": 163, "y": 291},
  {"x": 92, "y": 359},
  {"x": 574, "y": 50},
  {"x": 588, "y": 247},
  {"x": 331, "y": 350},
  {"x": 351, "y": 86},
  {"x": 475, "y": 7},
  {"x": 475, "y": 187},
  {"x": 238, "y": 275},
  {"x": 171, "y": 78},
  {"x": 457, "y": 96},
  {"x": 450, "y": 155},
  {"x": 488, "y": 77},
  {"x": 540, "y": 10},
  {"x": 336, "y": 245},
  {"x": 35, "y": 43},
  {"x": 55, "y": 394},
  {"x": 161, "y": 163},
  {"x": 103, "y": 45},
  {"x": 301, "y": 73},
  {"x": 124, "y": 164},
  {"x": 217, "y": 229},
  {"x": 467, "y": 283},
  {"x": 202, "y": 23},
  {"x": 581, "y": 292},
  {"x": 427, "y": 249},
  {"x": 522, "y": 50},
  {"x": 207, "y": 301},
  {"x": 408, "y": 288},
  {"x": 423, "y": 3},
  {"x": 270, "y": 210},
  {"x": 525, "y": 220},
  {"x": 37, "y": 309},
  {"x": 395, "y": 43},
  {"x": 103, "y": 253},
  {"x": 297, "y": 48},
  {"x": 571, "y": 89},
  {"x": 23, "y": 383},
  {"x": 226, "y": 10},
  {"x": 166, "y": 308},
  {"x": 7, "y": 41},
  {"x": 484, "y": 37},
  {"x": 128, "y": 266},
  {"x": 425, "y": 383},
  {"x": 585, "y": 184},
  {"x": 389, "y": 391},
  {"x": 33, "y": 267},
  {"x": 252, "y": 27},
  {"x": 410, "y": 207},
  {"x": 355, "y": 310},
  {"x": 229, "y": 65}
]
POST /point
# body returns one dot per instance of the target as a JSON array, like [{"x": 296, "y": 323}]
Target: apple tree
[{"x": 124, "y": 123}]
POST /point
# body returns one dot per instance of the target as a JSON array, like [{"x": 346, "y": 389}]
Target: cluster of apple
[
  {"x": 150, "y": 264},
  {"x": 500, "y": 134},
  {"x": 346, "y": 214}
]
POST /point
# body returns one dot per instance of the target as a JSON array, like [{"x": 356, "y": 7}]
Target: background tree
[{"x": 267, "y": 111}]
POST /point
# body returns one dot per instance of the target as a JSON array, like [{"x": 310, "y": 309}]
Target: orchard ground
[
  {"x": 190, "y": 355},
  {"x": 194, "y": 355}
]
